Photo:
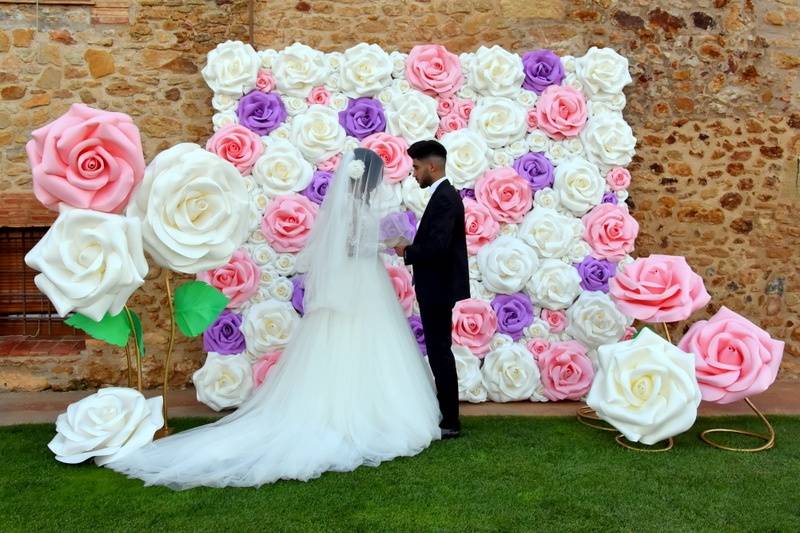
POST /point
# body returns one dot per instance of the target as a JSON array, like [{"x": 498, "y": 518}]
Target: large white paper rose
[
  {"x": 594, "y": 320},
  {"x": 467, "y": 157},
  {"x": 549, "y": 232},
  {"x": 602, "y": 73},
  {"x": 579, "y": 185},
  {"x": 387, "y": 198},
  {"x": 231, "y": 68},
  {"x": 646, "y": 388},
  {"x": 365, "y": 71},
  {"x": 471, "y": 387},
  {"x": 268, "y": 326},
  {"x": 190, "y": 204},
  {"x": 415, "y": 197},
  {"x": 317, "y": 133},
  {"x": 554, "y": 285},
  {"x": 500, "y": 121},
  {"x": 298, "y": 68},
  {"x": 510, "y": 374},
  {"x": 224, "y": 381},
  {"x": 506, "y": 264},
  {"x": 608, "y": 140},
  {"x": 282, "y": 169},
  {"x": 90, "y": 262},
  {"x": 495, "y": 72},
  {"x": 108, "y": 425},
  {"x": 412, "y": 117}
]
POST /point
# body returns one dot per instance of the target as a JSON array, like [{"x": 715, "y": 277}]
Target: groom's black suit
[{"x": 441, "y": 278}]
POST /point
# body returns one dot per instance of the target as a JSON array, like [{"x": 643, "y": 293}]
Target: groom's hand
[{"x": 400, "y": 251}]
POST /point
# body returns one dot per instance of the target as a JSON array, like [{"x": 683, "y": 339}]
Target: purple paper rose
[
  {"x": 542, "y": 69},
  {"x": 536, "y": 169},
  {"x": 610, "y": 197},
  {"x": 261, "y": 112},
  {"x": 362, "y": 117},
  {"x": 416, "y": 328},
  {"x": 224, "y": 335},
  {"x": 400, "y": 225},
  {"x": 467, "y": 193},
  {"x": 299, "y": 293},
  {"x": 514, "y": 313},
  {"x": 595, "y": 273},
  {"x": 318, "y": 187}
]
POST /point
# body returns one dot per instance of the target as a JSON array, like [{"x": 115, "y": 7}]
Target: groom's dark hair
[{"x": 424, "y": 149}]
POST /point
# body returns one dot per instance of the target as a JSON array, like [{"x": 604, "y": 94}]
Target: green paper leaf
[
  {"x": 111, "y": 329},
  {"x": 197, "y": 306},
  {"x": 138, "y": 333}
]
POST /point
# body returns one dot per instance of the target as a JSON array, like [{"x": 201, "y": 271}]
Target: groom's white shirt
[{"x": 436, "y": 183}]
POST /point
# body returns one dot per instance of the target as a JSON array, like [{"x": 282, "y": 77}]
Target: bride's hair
[{"x": 373, "y": 172}]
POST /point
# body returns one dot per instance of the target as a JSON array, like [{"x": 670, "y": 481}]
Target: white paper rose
[
  {"x": 262, "y": 254},
  {"x": 190, "y": 204},
  {"x": 579, "y": 185},
  {"x": 224, "y": 102},
  {"x": 602, "y": 72},
  {"x": 538, "y": 141},
  {"x": 554, "y": 285},
  {"x": 90, "y": 262},
  {"x": 294, "y": 105},
  {"x": 547, "y": 198},
  {"x": 495, "y": 72},
  {"x": 608, "y": 140},
  {"x": 281, "y": 289},
  {"x": 387, "y": 198},
  {"x": 500, "y": 121},
  {"x": 317, "y": 133},
  {"x": 560, "y": 151},
  {"x": 231, "y": 68},
  {"x": 267, "y": 58},
  {"x": 646, "y": 388},
  {"x": 284, "y": 264},
  {"x": 594, "y": 320},
  {"x": 298, "y": 68},
  {"x": 479, "y": 291},
  {"x": 282, "y": 169},
  {"x": 474, "y": 268},
  {"x": 224, "y": 118},
  {"x": 366, "y": 70},
  {"x": 413, "y": 117},
  {"x": 506, "y": 264},
  {"x": 510, "y": 374},
  {"x": 108, "y": 425},
  {"x": 467, "y": 157},
  {"x": 398, "y": 64},
  {"x": 577, "y": 252},
  {"x": 268, "y": 326},
  {"x": 415, "y": 197},
  {"x": 550, "y": 233},
  {"x": 224, "y": 381},
  {"x": 471, "y": 387},
  {"x": 539, "y": 329}
]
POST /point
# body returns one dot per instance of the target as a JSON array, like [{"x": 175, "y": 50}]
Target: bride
[{"x": 350, "y": 389}]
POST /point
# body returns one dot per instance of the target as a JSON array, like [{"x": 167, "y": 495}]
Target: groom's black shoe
[{"x": 450, "y": 433}]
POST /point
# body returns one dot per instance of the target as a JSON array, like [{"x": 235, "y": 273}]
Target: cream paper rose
[
  {"x": 90, "y": 262},
  {"x": 366, "y": 70},
  {"x": 190, "y": 204},
  {"x": 539, "y": 329},
  {"x": 471, "y": 387},
  {"x": 231, "y": 68},
  {"x": 547, "y": 198},
  {"x": 602, "y": 73},
  {"x": 415, "y": 197},
  {"x": 594, "y": 320},
  {"x": 281, "y": 289},
  {"x": 299, "y": 68},
  {"x": 500, "y": 121},
  {"x": 554, "y": 285},
  {"x": 646, "y": 388},
  {"x": 510, "y": 374},
  {"x": 224, "y": 102},
  {"x": 317, "y": 133},
  {"x": 413, "y": 117},
  {"x": 284, "y": 264},
  {"x": 495, "y": 72},
  {"x": 268, "y": 326},
  {"x": 506, "y": 264},
  {"x": 387, "y": 198},
  {"x": 467, "y": 157},
  {"x": 262, "y": 253},
  {"x": 108, "y": 425},
  {"x": 282, "y": 169},
  {"x": 579, "y": 185},
  {"x": 550, "y": 233},
  {"x": 608, "y": 140},
  {"x": 267, "y": 58},
  {"x": 538, "y": 141},
  {"x": 224, "y": 381},
  {"x": 478, "y": 290},
  {"x": 224, "y": 118}
]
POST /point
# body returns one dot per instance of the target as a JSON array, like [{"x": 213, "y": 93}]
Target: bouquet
[{"x": 398, "y": 229}]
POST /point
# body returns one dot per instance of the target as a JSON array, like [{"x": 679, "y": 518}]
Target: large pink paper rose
[
  {"x": 393, "y": 151},
  {"x": 433, "y": 70},
  {"x": 618, "y": 179},
  {"x": 263, "y": 365},
  {"x": 566, "y": 371},
  {"x": 236, "y": 145},
  {"x": 561, "y": 112},
  {"x": 610, "y": 231},
  {"x": 480, "y": 227},
  {"x": 238, "y": 279},
  {"x": 659, "y": 288},
  {"x": 505, "y": 194},
  {"x": 86, "y": 158},
  {"x": 403, "y": 287},
  {"x": 474, "y": 325},
  {"x": 288, "y": 221},
  {"x": 734, "y": 358}
]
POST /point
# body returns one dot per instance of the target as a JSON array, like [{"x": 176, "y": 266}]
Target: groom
[{"x": 441, "y": 272}]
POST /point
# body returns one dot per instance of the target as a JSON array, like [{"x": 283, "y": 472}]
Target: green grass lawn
[{"x": 505, "y": 474}]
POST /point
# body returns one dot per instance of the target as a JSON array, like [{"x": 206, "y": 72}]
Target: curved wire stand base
[
  {"x": 769, "y": 438},
  {"x": 588, "y": 417},
  {"x": 625, "y": 443},
  {"x": 166, "y": 430}
]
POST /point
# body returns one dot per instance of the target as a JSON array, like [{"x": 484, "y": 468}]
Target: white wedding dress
[{"x": 350, "y": 389}]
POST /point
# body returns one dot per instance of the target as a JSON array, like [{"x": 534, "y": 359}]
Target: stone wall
[{"x": 714, "y": 105}]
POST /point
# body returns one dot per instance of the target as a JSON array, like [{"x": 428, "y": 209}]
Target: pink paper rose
[
  {"x": 532, "y": 123},
  {"x": 566, "y": 371},
  {"x": 330, "y": 164},
  {"x": 557, "y": 320},
  {"x": 505, "y": 194},
  {"x": 481, "y": 228},
  {"x": 288, "y": 221},
  {"x": 610, "y": 231},
  {"x": 448, "y": 123},
  {"x": 561, "y": 111},
  {"x": 86, "y": 158},
  {"x": 464, "y": 107},
  {"x": 237, "y": 145},
  {"x": 265, "y": 82},
  {"x": 630, "y": 332},
  {"x": 734, "y": 358},
  {"x": 393, "y": 150},
  {"x": 618, "y": 179},
  {"x": 238, "y": 279},
  {"x": 319, "y": 95},
  {"x": 538, "y": 346},
  {"x": 474, "y": 325},
  {"x": 403, "y": 287},
  {"x": 433, "y": 70},
  {"x": 445, "y": 106},
  {"x": 659, "y": 288},
  {"x": 263, "y": 365}
]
